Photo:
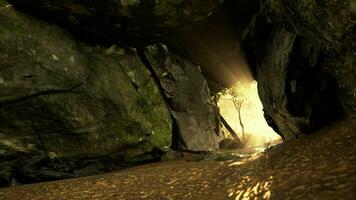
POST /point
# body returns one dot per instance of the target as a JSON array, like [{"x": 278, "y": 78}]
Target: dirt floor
[{"x": 320, "y": 166}]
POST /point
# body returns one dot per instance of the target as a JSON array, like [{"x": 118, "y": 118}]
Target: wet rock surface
[{"x": 320, "y": 166}]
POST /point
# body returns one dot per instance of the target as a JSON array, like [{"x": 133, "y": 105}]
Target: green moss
[
  {"x": 107, "y": 104},
  {"x": 149, "y": 102}
]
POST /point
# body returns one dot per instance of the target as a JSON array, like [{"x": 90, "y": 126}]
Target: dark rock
[
  {"x": 195, "y": 114},
  {"x": 127, "y": 21},
  {"x": 69, "y": 110},
  {"x": 171, "y": 155},
  {"x": 305, "y": 70},
  {"x": 329, "y": 26},
  {"x": 293, "y": 90}
]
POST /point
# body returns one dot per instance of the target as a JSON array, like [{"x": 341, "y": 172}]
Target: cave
[{"x": 177, "y": 99}]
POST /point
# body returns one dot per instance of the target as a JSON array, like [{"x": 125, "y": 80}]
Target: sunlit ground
[
  {"x": 250, "y": 186},
  {"x": 319, "y": 167},
  {"x": 252, "y": 115},
  {"x": 245, "y": 190}
]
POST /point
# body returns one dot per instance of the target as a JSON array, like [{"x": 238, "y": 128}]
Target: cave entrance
[{"x": 241, "y": 108}]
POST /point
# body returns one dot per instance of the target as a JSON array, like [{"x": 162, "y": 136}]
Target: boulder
[
  {"x": 68, "y": 109},
  {"x": 195, "y": 114}
]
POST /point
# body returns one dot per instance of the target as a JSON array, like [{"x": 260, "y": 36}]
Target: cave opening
[
  {"x": 177, "y": 99},
  {"x": 241, "y": 108}
]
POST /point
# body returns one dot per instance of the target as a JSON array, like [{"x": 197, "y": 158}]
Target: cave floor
[{"x": 320, "y": 166}]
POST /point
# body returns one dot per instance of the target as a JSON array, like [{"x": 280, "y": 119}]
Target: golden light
[
  {"x": 259, "y": 190},
  {"x": 256, "y": 128}
]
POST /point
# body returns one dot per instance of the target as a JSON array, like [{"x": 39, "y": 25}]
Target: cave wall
[
  {"x": 69, "y": 109},
  {"x": 128, "y": 22},
  {"x": 300, "y": 52},
  {"x": 306, "y": 70},
  {"x": 298, "y": 95},
  {"x": 195, "y": 113},
  {"x": 97, "y": 89},
  {"x": 330, "y": 27}
]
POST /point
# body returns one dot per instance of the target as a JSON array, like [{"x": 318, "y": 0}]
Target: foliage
[{"x": 237, "y": 94}]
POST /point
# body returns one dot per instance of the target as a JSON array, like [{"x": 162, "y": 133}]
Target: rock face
[
  {"x": 125, "y": 21},
  {"x": 306, "y": 66},
  {"x": 329, "y": 26},
  {"x": 293, "y": 87},
  {"x": 69, "y": 110},
  {"x": 195, "y": 114}
]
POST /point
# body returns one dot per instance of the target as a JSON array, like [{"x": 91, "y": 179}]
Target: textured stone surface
[
  {"x": 304, "y": 62},
  {"x": 71, "y": 110},
  {"x": 188, "y": 97},
  {"x": 330, "y": 26},
  {"x": 128, "y": 21},
  {"x": 294, "y": 88}
]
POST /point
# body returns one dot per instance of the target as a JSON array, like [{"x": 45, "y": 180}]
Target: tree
[{"x": 237, "y": 95}]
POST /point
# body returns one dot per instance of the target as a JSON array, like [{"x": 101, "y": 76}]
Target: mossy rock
[{"x": 66, "y": 107}]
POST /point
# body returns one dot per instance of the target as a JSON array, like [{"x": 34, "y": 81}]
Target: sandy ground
[{"x": 320, "y": 166}]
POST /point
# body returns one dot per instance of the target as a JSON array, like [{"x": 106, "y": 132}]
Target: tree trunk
[
  {"x": 228, "y": 127},
  {"x": 241, "y": 123},
  {"x": 238, "y": 106}
]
